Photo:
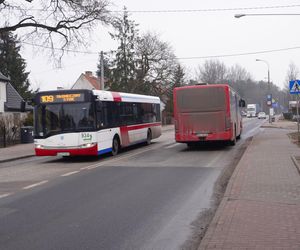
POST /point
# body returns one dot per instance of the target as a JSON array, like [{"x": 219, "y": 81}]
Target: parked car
[
  {"x": 295, "y": 118},
  {"x": 261, "y": 115},
  {"x": 243, "y": 113}
]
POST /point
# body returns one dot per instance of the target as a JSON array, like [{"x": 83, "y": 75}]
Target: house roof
[
  {"x": 3, "y": 78},
  {"x": 13, "y": 99},
  {"x": 95, "y": 82}
]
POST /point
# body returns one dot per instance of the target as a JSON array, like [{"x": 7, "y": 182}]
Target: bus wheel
[
  {"x": 233, "y": 141},
  {"x": 115, "y": 146},
  {"x": 149, "y": 137}
]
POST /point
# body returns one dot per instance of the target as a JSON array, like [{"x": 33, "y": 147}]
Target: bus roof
[
  {"x": 125, "y": 97},
  {"x": 203, "y": 86}
]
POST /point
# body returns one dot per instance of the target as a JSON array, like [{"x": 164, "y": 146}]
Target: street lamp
[
  {"x": 269, "y": 87},
  {"x": 266, "y": 14}
]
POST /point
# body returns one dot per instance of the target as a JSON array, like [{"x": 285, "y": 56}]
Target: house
[
  {"x": 3, "y": 82},
  {"x": 11, "y": 115},
  {"x": 10, "y": 99},
  {"x": 87, "y": 81}
]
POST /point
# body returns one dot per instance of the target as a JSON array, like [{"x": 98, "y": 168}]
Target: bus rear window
[{"x": 201, "y": 99}]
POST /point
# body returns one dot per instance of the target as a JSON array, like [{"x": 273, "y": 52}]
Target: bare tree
[
  {"x": 60, "y": 23},
  {"x": 292, "y": 74},
  {"x": 156, "y": 63},
  {"x": 237, "y": 73},
  {"x": 213, "y": 71}
]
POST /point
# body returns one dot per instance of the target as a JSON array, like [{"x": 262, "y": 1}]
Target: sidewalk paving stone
[{"x": 261, "y": 205}]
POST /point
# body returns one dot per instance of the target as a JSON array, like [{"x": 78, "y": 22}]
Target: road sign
[
  {"x": 269, "y": 99},
  {"x": 295, "y": 87}
]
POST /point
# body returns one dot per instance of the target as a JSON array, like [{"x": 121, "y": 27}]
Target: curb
[
  {"x": 16, "y": 158},
  {"x": 295, "y": 161},
  {"x": 170, "y": 127}
]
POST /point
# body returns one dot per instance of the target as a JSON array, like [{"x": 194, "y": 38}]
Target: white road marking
[
  {"x": 35, "y": 184},
  {"x": 118, "y": 158},
  {"x": 172, "y": 146},
  {"x": 84, "y": 168},
  {"x": 70, "y": 173},
  {"x": 249, "y": 132},
  {"x": 5, "y": 195},
  {"x": 92, "y": 167}
]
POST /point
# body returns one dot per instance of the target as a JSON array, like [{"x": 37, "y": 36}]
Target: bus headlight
[
  {"x": 38, "y": 146},
  {"x": 88, "y": 145}
]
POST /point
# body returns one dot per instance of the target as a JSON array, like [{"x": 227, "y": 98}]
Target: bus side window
[{"x": 102, "y": 118}]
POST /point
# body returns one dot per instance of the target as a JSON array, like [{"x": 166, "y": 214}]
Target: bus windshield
[
  {"x": 58, "y": 118},
  {"x": 201, "y": 99}
]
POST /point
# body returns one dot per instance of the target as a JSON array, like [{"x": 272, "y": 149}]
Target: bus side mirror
[
  {"x": 242, "y": 103},
  {"x": 98, "y": 106}
]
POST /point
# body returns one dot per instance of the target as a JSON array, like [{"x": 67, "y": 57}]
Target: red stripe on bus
[
  {"x": 117, "y": 97},
  {"x": 75, "y": 151},
  {"x": 125, "y": 129}
]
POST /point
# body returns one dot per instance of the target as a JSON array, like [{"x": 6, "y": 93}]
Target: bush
[
  {"x": 29, "y": 119},
  {"x": 288, "y": 115}
]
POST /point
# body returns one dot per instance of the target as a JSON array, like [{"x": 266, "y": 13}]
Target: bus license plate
[
  {"x": 63, "y": 154},
  {"x": 202, "y": 135}
]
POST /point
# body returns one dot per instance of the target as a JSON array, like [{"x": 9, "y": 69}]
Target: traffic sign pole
[
  {"x": 295, "y": 89},
  {"x": 298, "y": 116}
]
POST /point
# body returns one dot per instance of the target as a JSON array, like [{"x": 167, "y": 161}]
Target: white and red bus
[
  {"x": 93, "y": 122},
  {"x": 207, "y": 113}
]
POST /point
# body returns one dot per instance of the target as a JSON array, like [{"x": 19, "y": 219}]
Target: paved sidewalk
[
  {"x": 15, "y": 152},
  {"x": 261, "y": 206},
  {"x": 20, "y": 151}
]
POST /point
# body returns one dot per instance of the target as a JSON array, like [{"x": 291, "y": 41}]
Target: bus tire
[
  {"x": 233, "y": 141},
  {"x": 115, "y": 146},
  {"x": 149, "y": 137}
]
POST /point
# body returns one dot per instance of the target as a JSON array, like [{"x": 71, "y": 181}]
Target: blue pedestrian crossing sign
[{"x": 295, "y": 87}]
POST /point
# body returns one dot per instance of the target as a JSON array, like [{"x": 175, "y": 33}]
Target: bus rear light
[
  {"x": 176, "y": 124},
  {"x": 227, "y": 123}
]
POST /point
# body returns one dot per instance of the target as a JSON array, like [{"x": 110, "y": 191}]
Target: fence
[{"x": 10, "y": 125}]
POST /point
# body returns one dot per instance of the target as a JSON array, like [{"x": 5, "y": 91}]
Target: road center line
[
  {"x": 5, "y": 195},
  {"x": 35, "y": 184},
  {"x": 173, "y": 145},
  {"x": 70, "y": 173}
]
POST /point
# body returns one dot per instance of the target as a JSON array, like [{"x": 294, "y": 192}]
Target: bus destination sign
[{"x": 59, "y": 98}]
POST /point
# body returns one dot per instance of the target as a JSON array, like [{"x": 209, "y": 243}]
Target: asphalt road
[{"x": 145, "y": 198}]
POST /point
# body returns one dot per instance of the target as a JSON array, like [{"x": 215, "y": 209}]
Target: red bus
[{"x": 207, "y": 113}]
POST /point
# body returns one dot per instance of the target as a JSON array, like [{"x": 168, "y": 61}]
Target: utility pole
[
  {"x": 269, "y": 88},
  {"x": 102, "y": 71},
  {"x": 269, "y": 102}
]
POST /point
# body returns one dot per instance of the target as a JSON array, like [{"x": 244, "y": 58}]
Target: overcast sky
[{"x": 192, "y": 34}]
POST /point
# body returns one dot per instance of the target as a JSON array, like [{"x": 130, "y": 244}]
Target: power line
[
  {"x": 188, "y": 10},
  {"x": 179, "y": 58},
  {"x": 60, "y": 49},
  {"x": 212, "y": 10},
  {"x": 239, "y": 54}
]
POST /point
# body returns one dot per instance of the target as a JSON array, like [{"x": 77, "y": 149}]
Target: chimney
[{"x": 89, "y": 73}]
